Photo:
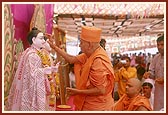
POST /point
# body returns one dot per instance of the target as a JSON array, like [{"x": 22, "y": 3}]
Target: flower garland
[{"x": 47, "y": 62}]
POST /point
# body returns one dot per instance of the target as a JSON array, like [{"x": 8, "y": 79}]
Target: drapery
[{"x": 22, "y": 15}]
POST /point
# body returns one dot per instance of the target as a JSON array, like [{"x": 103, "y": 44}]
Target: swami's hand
[
  {"x": 49, "y": 36},
  {"x": 50, "y": 40},
  {"x": 72, "y": 91}
]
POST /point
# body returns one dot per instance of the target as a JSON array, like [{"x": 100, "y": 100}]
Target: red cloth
[{"x": 69, "y": 102}]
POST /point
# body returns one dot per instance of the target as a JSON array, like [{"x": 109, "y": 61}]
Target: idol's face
[{"x": 39, "y": 40}]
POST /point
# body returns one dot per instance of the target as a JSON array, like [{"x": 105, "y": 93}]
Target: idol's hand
[
  {"x": 47, "y": 70},
  {"x": 55, "y": 68}
]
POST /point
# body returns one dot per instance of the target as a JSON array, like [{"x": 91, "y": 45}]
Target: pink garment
[
  {"x": 22, "y": 20},
  {"x": 28, "y": 90},
  {"x": 157, "y": 70}
]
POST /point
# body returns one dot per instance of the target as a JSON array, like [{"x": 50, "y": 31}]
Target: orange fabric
[
  {"x": 122, "y": 76},
  {"x": 91, "y": 34},
  {"x": 127, "y": 104},
  {"x": 86, "y": 77}
]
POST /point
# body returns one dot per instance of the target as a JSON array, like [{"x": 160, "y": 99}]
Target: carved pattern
[
  {"x": 12, "y": 50},
  {"x": 38, "y": 19},
  {"x": 8, "y": 48}
]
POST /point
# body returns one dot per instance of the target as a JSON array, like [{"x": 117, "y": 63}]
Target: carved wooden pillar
[
  {"x": 12, "y": 50},
  {"x": 60, "y": 41}
]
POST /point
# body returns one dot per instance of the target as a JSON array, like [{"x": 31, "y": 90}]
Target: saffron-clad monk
[
  {"x": 132, "y": 100},
  {"x": 93, "y": 73}
]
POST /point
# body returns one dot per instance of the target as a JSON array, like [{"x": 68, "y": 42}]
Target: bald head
[
  {"x": 136, "y": 82},
  {"x": 133, "y": 87}
]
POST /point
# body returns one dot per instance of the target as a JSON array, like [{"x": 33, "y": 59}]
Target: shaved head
[
  {"x": 136, "y": 82},
  {"x": 133, "y": 87}
]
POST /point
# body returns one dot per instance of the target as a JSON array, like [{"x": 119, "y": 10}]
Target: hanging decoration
[
  {"x": 38, "y": 19},
  {"x": 138, "y": 10},
  {"x": 129, "y": 44}
]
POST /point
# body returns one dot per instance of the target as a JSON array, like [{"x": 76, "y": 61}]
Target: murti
[{"x": 47, "y": 62}]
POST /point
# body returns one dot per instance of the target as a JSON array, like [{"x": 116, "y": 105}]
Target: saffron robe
[
  {"x": 122, "y": 76},
  {"x": 95, "y": 71},
  {"x": 127, "y": 104}
]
